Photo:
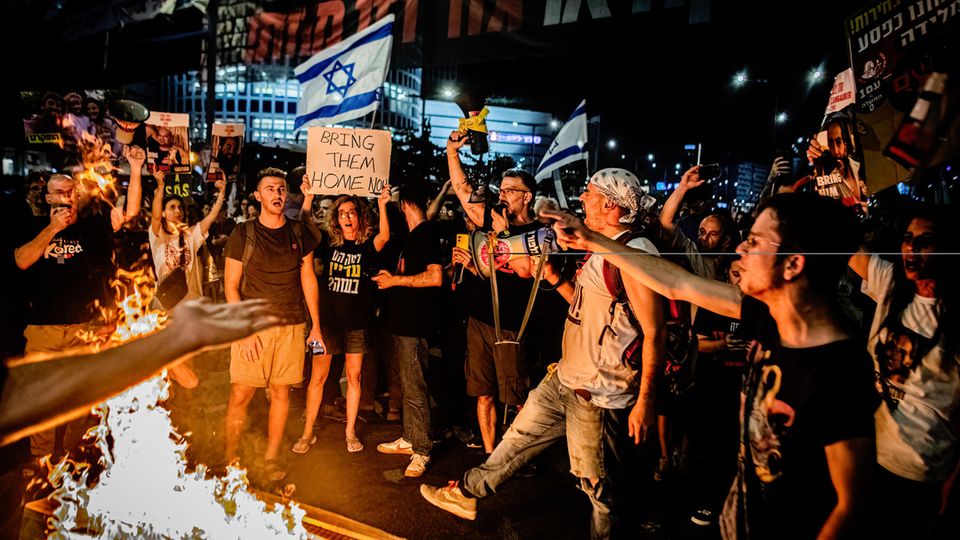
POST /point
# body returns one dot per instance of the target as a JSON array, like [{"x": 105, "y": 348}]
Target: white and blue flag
[
  {"x": 568, "y": 146},
  {"x": 343, "y": 82}
]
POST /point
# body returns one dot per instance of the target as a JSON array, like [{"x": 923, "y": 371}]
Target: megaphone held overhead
[
  {"x": 474, "y": 113},
  {"x": 128, "y": 115},
  {"x": 528, "y": 244}
]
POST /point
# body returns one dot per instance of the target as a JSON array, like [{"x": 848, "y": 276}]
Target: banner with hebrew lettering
[{"x": 892, "y": 44}]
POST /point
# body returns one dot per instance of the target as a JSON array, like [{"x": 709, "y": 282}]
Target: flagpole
[{"x": 380, "y": 101}]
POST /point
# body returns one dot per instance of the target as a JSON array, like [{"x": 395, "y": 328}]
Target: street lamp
[
  {"x": 611, "y": 144},
  {"x": 780, "y": 118},
  {"x": 554, "y": 124},
  {"x": 448, "y": 93},
  {"x": 649, "y": 157}
]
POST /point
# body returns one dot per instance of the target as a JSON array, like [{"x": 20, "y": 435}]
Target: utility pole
[{"x": 210, "y": 109}]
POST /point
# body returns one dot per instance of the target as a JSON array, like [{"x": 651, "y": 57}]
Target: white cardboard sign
[{"x": 347, "y": 161}]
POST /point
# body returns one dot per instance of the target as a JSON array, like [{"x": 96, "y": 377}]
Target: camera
[{"x": 709, "y": 171}]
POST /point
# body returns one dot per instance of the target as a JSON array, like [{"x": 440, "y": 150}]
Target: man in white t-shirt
[
  {"x": 589, "y": 395},
  {"x": 918, "y": 374}
]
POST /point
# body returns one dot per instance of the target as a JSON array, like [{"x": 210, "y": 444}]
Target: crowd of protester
[{"x": 799, "y": 362}]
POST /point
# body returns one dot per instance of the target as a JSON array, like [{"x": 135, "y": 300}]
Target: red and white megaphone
[
  {"x": 528, "y": 244},
  {"x": 128, "y": 115}
]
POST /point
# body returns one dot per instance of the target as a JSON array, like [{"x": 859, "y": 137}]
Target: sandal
[
  {"x": 354, "y": 444},
  {"x": 273, "y": 472},
  {"x": 302, "y": 446}
]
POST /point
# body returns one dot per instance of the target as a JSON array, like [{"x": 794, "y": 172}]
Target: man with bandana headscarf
[{"x": 592, "y": 394}]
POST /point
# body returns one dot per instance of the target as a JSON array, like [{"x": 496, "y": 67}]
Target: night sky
[{"x": 656, "y": 81}]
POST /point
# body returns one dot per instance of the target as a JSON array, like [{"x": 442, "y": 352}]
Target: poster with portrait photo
[
  {"x": 63, "y": 118},
  {"x": 225, "y": 151},
  {"x": 838, "y": 172},
  {"x": 168, "y": 142}
]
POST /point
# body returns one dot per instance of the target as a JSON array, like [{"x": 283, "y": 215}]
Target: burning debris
[{"x": 145, "y": 489}]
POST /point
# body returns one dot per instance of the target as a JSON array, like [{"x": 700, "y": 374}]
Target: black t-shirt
[
  {"x": 708, "y": 323},
  {"x": 218, "y": 228},
  {"x": 796, "y": 402},
  {"x": 410, "y": 311},
  {"x": 346, "y": 290},
  {"x": 73, "y": 273},
  {"x": 513, "y": 292},
  {"x": 273, "y": 271}
]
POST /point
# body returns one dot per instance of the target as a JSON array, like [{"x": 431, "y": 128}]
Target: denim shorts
[{"x": 344, "y": 341}]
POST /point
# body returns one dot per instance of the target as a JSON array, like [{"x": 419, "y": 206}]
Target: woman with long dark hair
[
  {"x": 914, "y": 343},
  {"x": 346, "y": 303}
]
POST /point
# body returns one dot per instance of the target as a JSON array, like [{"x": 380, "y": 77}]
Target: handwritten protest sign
[{"x": 347, "y": 161}]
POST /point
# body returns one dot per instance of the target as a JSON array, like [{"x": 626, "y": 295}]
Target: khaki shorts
[
  {"x": 53, "y": 337},
  {"x": 281, "y": 359}
]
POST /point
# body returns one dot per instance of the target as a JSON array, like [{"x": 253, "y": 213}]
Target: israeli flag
[
  {"x": 343, "y": 82},
  {"x": 569, "y": 144}
]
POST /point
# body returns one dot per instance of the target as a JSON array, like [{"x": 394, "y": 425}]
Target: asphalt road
[{"x": 370, "y": 487}]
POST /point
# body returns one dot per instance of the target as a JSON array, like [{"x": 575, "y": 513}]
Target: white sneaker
[
  {"x": 451, "y": 499},
  {"x": 399, "y": 446},
  {"x": 417, "y": 466}
]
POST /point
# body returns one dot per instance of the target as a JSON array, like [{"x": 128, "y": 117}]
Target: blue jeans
[
  {"x": 553, "y": 411},
  {"x": 411, "y": 355}
]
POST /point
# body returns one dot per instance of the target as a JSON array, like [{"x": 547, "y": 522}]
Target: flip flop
[
  {"x": 273, "y": 471},
  {"x": 354, "y": 444},
  {"x": 302, "y": 446}
]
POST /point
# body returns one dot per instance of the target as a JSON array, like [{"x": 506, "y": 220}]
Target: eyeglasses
[
  {"x": 508, "y": 190},
  {"x": 752, "y": 242},
  {"x": 347, "y": 213}
]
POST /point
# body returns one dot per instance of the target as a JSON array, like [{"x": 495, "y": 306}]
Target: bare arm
[
  {"x": 156, "y": 206},
  {"x": 135, "y": 156},
  {"x": 849, "y": 463},
  {"x": 780, "y": 165},
  {"x": 431, "y": 277},
  {"x": 661, "y": 276},
  {"x": 671, "y": 206},
  {"x": 307, "y": 207},
  {"x": 648, "y": 307},
  {"x": 42, "y": 391},
  {"x": 860, "y": 262},
  {"x": 458, "y": 179},
  {"x": 232, "y": 271},
  {"x": 437, "y": 202},
  {"x": 208, "y": 220},
  {"x": 29, "y": 253},
  {"x": 564, "y": 288},
  {"x": 383, "y": 235},
  {"x": 311, "y": 291}
]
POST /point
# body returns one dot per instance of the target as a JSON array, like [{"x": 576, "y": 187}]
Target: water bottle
[{"x": 316, "y": 347}]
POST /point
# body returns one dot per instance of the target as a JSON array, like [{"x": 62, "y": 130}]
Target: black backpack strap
[{"x": 298, "y": 236}]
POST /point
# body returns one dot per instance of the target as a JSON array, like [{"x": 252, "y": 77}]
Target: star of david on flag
[
  {"x": 347, "y": 78},
  {"x": 342, "y": 82},
  {"x": 568, "y": 145}
]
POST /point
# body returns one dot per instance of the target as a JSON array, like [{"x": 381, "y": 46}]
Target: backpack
[
  {"x": 248, "y": 243},
  {"x": 680, "y": 350}
]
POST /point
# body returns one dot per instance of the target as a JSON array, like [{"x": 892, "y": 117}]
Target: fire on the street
[{"x": 145, "y": 489}]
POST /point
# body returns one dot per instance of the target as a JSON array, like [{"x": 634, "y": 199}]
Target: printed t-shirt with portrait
[
  {"x": 167, "y": 254},
  {"x": 346, "y": 288},
  {"x": 412, "y": 311},
  {"x": 273, "y": 271},
  {"x": 918, "y": 423},
  {"x": 73, "y": 273},
  {"x": 794, "y": 403}
]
